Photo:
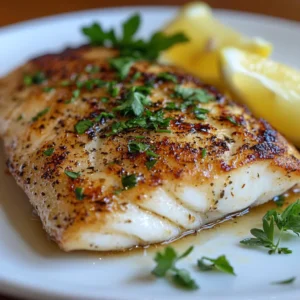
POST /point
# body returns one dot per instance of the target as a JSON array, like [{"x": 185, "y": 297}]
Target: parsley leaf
[
  {"x": 79, "y": 193},
  {"x": 129, "y": 181},
  {"x": 75, "y": 95},
  {"x": 73, "y": 175},
  {"x": 113, "y": 89},
  {"x": 166, "y": 263},
  {"x": 122, "y": 65},
  {"x": 104, "y": 115},
  {"x": 82, "y": 126},
  {"x": 233, "y": 120},
  {"x": 203, "y": 152},
  {"x": 134, "y": 147},
  {"x": 191, "y": 96},
  {"x": 167, "y": 77},
  {"x": 134, "y": 103},
  {"x": 150, "y": 163},
  {"x": 40, "y": 114},
  {"x": 96, "y": 34},
  {"x": 130, "y": 27},
  {"x": 220, "y": 263},
  {"x": 48, "y": 152},
  {"x": 36, "y": 78},
  {"x": 289, "y": 220},
  {"x": 286, "y": 281}
]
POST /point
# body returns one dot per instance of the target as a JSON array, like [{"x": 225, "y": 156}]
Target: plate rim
[
  {"x": 18, "y": 289},
  {"x": 51, "y": 18}
]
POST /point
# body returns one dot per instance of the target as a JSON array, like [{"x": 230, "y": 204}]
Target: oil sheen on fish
[{"x": 111, "y": 160}]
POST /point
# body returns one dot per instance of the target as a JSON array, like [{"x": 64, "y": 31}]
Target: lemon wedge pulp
[
  {"x": 207, "y": 36},
  {"x": 270, "y": 90}
]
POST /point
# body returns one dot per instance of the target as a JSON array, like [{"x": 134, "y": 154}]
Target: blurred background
[{"x": 19, "y": 10}]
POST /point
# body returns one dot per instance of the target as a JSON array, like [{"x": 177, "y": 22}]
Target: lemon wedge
[
  {"x": 207, "y": 36},
  {"x": 270, "y": 90}
]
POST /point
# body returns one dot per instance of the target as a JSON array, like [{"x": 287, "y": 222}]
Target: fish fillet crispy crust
[{"x": 203, "y": 169}]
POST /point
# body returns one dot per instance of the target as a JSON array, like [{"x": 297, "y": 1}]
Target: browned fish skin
[{"x": 231, "y": 137}]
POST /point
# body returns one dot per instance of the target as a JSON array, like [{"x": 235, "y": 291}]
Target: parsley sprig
[
  {"x": 166, "y": 264},
  {"x": 128, "y": 44},
  {"x": 288, "y": 220},
  {"x": 221, "y": 263}
]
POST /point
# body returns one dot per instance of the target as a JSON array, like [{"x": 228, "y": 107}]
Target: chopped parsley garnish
[
  {"x": 135, "y": 147},
  {"x": 129, "y": 181},
  {"x": 134, "y": 103},
  {"x": 48, "y": 152},
  {"x": 104, "y": 99},
  {"x": 92, "y": 69},
  {"x": 192, "y": 96},
  {"x": 40, "y": 114},
  {"x": 150, "y": 120},
  {"x": 113, "y": 89},
  {"x": 166, "y": 264},
  {"x": 91, "y": 83},
  {"x": 163, "y": 130},
  {"x": 150, "y": 163},
  {"x": 220, "y": 263},
  {"x": 288, "y": 220},
  {"x": 233, "y": 120},
  {"x": 136, "y": 76},
  {"x": 75, "y": 95},
  {"x": 104, "y": 115},
  {"x": 200, "y": 113},
  {"x": 79, "y": 193},
  {"x": 73, "y": 175},
  {"x": 167, "y": 77},
  {"x": 203, "y": 152},
  {"x": 128, "y": 44},
  {"x": 286, "y": 281},
  {"x": 82, "y": 126},
  {"x": 172, "y": 106},
  {"x": 48, "y": 89},
  {"x": 122, "y": 65},
  {"x": 65, "y": 83},
  {"x": 36, "y": 78}
]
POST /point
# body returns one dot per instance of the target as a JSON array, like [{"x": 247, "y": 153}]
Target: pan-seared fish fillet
[{"x": 100, "y": 182}]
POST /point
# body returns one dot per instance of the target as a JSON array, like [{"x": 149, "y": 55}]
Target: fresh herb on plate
[
  {"x": 82, "y": 126},
  {"x": 134, "y": 103},
  {"x": 36, "y": 78},
  {"x": 221, "y": 263},
  {"x": 73, "y": 175},
  {"x": 122, "y": 65},
  {"x": 166, "y": 264},
  {"x": 128, "y": 44},
  {"x": 40, "y": 114},
  {"x": 167, "y": 77},
  {"x": 129, "y": 181},
  {"x": 48, "y": 152},
  {"x": 79, "y": 193},
  {"x": 288, "y": 220},
  {"x": 286, "y": 281}
]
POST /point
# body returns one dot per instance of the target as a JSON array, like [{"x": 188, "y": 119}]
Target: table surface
[{"x": 19, "y": 10}]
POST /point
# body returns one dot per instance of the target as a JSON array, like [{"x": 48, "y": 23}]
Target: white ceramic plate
[{"x": 31, "y": 266}]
